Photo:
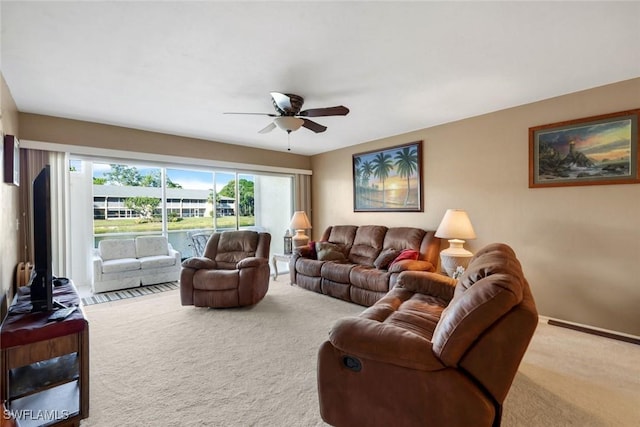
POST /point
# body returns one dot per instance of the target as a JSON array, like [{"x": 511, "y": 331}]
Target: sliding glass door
[{"x": 132, "y": 199}]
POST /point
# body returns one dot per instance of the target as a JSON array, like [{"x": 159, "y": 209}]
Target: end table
[{"x": 274, "y": 261}]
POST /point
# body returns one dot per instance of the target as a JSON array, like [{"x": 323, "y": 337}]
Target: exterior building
[{"x": 109, "y": 202}]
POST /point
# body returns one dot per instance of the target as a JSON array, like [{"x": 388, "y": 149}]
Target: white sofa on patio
[{"x": 128, "y": 263}]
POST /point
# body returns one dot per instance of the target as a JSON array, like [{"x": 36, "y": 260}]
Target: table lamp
[
  {"x": 455, "y": 226},
  {"x": 300, "y": 223}
]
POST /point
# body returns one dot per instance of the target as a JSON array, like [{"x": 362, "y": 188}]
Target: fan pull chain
[{"x": 288, "y": 140}]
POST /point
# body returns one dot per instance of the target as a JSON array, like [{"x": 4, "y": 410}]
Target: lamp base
[
  {"x": 300, "y": 239},
  {"x": 454, "y": 256}
]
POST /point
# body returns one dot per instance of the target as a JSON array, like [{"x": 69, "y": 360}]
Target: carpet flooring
[
  {"x": 154, "y": 362},
  {"x": 129, "y": 293}
]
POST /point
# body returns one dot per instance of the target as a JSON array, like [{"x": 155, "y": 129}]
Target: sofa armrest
[
  {"x": 411, "y": 265},
  {"x": 174, "y": 254},
  {"x": 251, "y": 262},
  {"x": 383, "y": 342},
  {"x": 427, "y": 283},
  {"x": 97, "y": 265},
  {"x": 199, "y": 263}
]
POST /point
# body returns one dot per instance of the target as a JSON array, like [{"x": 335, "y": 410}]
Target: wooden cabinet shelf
[
  {"x": 45, "y": 364},
  {"x": 55, "y": 406},
  {"x": 42, "y": 375}
]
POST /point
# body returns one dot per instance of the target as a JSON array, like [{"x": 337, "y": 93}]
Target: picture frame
[
  {"x": 597, "y": 150},
  {"x": 388, "y": 180},
  {"x": 11, "y": 160}
]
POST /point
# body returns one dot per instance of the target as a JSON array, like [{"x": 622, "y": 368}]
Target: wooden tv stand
[{"x": 45, "y": 364}]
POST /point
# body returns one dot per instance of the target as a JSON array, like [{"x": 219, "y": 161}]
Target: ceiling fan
[{"x": 288, "y": 116}]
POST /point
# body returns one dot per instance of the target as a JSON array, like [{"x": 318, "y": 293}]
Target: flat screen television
[{"x": 42, "y": 276}]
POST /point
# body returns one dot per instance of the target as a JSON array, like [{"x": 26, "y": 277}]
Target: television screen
[{"x": 42, "y": 281}]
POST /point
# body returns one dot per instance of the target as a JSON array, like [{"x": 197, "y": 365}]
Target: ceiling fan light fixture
[
  {"x": 288, "y": 114},
  {"x": 288, "y": 123}
]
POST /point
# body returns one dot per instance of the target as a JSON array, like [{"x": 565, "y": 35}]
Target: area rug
[
  {"x": 129, "y": 293},
  {"x": 155, "y": 362}
]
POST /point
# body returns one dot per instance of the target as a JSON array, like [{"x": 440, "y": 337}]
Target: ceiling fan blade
[
  {"x": 287, "y": 103},
  {"x": 271, "y": 126},
  {"x": 254, "y": 114},
  {"x": 311, "y": 125},
  {"x": 339, "y": 110},
  {"x": 282, "y": 101}
]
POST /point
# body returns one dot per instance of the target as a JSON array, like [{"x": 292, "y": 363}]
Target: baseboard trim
[{"x": 594, "y": 331}]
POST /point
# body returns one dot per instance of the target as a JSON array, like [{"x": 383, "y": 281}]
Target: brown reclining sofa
[
  {"x": 434, "y": 351},
  {"x": 353, "y": 261}
]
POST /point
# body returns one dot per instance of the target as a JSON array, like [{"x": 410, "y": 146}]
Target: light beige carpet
[{"x": 154, "y": 362}]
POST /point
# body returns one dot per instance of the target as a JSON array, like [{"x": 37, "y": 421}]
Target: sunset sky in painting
[{"x": 602, "y": 141}]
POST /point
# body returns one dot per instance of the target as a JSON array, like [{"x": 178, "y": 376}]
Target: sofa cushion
[
  {"x": 367, "y": 244},
  {"x": 119, "y": 265},
  {"x": 117, "y": 249},
  {"x": 341, "y": 234},
  {"x": 369, "y": 278},
  {"x": 309, "y": 267},
  {"x": 327, "y": 251},
  {"x": 157, "y": 261},
  {"x": 234, "y": 246},
  {"x": 216, "y": 280},
  {"x": 404, "y": 238},
  {"x": 384, "y": 259},
  {"x": 492, "y": 259},
  {"x": 490, "y": 287},
  {"x": 336, "y": 272},
  {"x": 151, "y": 245},
  {"x": 396, "y": 330}
]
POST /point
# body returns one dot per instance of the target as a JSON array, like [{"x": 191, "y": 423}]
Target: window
[{"x": 136, "y": 199}]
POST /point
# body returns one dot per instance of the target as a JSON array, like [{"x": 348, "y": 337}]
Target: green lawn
[{"x": 102, "y": 226}]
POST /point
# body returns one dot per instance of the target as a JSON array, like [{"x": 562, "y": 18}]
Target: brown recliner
[
  {"x": 233, "y": 271},
  {"x": 433, "y": 351}
]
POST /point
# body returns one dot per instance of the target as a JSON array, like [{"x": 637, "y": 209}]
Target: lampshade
[
  {"x": 299, "y": 221},
  {"x": 456, "y": 225},
  {"x": 288, "y": 123}
]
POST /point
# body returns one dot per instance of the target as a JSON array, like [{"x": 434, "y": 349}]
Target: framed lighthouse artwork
[{"x": 590, "y": 151}]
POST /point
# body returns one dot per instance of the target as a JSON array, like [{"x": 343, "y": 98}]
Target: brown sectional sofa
[{"x": 360, "y": 273}]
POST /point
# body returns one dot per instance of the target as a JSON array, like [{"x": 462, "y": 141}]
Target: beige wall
[
  {"x": 579, "y": 246},
  {"x": 36, "y": 127},
  {"x": 8, "y": 197}
]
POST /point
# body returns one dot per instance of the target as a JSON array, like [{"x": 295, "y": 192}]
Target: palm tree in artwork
[
  {"x": 407, "y": 164},
  {"x": 382, "y": 165},
  {"x": 366, "y": 170},
  {"x": 356, "y": 169}
]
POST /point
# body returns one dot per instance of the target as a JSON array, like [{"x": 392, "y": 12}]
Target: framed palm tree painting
[{"x": 389, "y": 179}]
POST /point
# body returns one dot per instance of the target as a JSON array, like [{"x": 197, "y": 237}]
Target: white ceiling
[{"x": 175, "y": 67}]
